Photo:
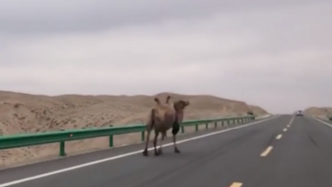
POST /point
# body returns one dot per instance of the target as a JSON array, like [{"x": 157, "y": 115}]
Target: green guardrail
[{"x": 62, "y": 136}]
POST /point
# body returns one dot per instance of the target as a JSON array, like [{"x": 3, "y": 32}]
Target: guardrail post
[
  {"x": 143, "y": 136},
  {"x": 182, "y": 129},
  {"x": 111, "y": 140},
  {"x": 62, "y": 151},
  {"x": 196, "y": 127}
]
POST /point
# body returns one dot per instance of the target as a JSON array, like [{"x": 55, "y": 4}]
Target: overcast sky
[{"x": 273, "y": 53}]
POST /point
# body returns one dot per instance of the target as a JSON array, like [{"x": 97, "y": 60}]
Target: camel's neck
[
  {"x": 179, "y": 111},
  {"x": 180, "y": 117}
]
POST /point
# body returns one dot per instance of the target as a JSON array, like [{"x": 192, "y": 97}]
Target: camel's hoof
[
  {"x": 145, "y": 153},
  {"x": 177, "y": 151},
  {"x": 156, "y": 153},
  {"x": 160, "y": 151}
]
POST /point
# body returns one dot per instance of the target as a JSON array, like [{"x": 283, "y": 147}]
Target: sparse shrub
[{"x": 250, "y": 113}]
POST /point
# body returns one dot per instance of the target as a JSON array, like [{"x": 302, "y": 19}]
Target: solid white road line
[
  {"x": 323, "y": 122},
  {"x": 126, "y": 154}
]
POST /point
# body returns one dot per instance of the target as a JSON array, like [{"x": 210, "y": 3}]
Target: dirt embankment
[
  {"x": 321, "y": 112},
  {"x": 20, "y": 113}
]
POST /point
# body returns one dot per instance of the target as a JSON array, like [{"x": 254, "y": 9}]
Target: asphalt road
[{"x": 258, "y": 155}]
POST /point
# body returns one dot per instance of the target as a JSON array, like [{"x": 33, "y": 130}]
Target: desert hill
[
  {"x": 20, "y": 112},
  {"x": 321, "y": 112},
  {"x": 258, "y": 111}
]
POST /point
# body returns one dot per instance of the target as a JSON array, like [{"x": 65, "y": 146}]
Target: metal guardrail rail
[{"x": 62, "y": 136}]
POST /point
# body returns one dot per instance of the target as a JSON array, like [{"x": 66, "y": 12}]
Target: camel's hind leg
[
  {"x": 145, "y": 152},
  {"x": 160, "y": 150},
  {"x": 149, "y": 127}
]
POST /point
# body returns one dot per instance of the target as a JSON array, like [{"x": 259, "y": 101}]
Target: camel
[{"x": 161, "y": 118}]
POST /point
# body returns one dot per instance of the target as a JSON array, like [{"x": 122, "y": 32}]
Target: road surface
[{"x": 279, "y": 152}]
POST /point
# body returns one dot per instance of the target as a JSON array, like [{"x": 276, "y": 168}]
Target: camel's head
[{"x": 180, "y": 105}]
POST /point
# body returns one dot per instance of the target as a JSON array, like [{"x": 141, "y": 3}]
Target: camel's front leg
[
  {"x": 176, "y": 149},
  {"x": 156, "y": 152},
  {"x": 176, "y": 128}
]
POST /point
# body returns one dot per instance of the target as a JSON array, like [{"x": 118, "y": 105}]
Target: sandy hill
[
  {"x": 21, "y": 113},
  {"x": 258, "y": 111},
  {"x": 321, "y": 112}
]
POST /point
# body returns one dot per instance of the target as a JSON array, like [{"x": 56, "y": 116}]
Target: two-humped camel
[{"x": 161, "y": 118}]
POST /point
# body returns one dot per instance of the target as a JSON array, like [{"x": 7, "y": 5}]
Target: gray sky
[{"x": 275, "y": 54}]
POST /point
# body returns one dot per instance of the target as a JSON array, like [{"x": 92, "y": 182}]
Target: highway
[{"x": 283, "y": 151}]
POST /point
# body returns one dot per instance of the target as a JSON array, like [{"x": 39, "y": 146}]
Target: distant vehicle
[{"x": 299, "y": 113}]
